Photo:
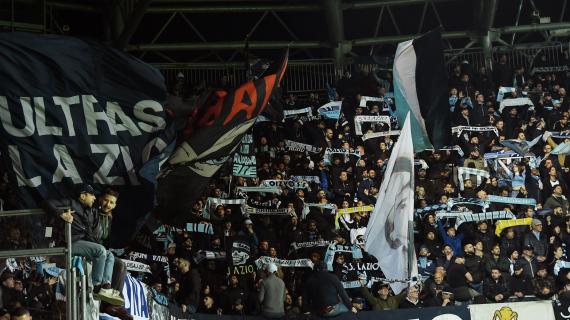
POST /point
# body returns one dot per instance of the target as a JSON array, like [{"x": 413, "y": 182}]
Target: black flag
[{"x": 211, "y": 138}]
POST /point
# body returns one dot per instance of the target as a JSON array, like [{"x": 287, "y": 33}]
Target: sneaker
[{"x": 110, "y": 296}]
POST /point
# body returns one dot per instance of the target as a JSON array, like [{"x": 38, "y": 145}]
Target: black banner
[
  {"x": 74, "y": 111},
  {"x": 238, "y": 251},
  {"x": 454, "y": 313},
  {"x": 353, "y": 270},
  {"x": 562, "y": 308}
]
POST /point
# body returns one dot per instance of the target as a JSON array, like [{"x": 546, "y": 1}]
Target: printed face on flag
[
  {"x": 240, "y": 252},
  {"x": 396, "y": 232}
]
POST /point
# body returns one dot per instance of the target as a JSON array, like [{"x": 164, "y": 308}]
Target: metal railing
[
  {"x": 526, "y": 56},
  {"x": 70, "y": 272},
  {"x": 313, "y": 75},
  {"x": 301, "y": 75}
]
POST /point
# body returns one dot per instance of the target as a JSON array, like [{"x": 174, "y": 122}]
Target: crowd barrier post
[{"x": 57, "y": 251}]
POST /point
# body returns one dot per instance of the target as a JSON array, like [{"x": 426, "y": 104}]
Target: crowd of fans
[{"x": 468, "y": 264}]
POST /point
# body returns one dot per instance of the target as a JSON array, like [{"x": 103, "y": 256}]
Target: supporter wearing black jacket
[
  {"x": 188, "y": 297},
  {"x": 474, "y": 265},
  {"x": 323, "y": 291},
  {"x": 478, "y": 116},
  {"x": 496, "y": 260},
  {"x": 83, "y": 218},
  {"x": 520, "y": 283},
  {"x": 528, "y": 261},
  {"x": 234, "y": 299},
  {"x": 510, "y": 242},
  {"x": 343, "y": 188},
  {"x": 495, "y": 287}
]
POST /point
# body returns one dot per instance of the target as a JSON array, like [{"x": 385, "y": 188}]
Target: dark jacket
[
  {"x": 474, "y": 264},
  {"x": 529, "y": 267},
  {"x": 190, "y": 284},
  {"x": 323, "y": 289},
  {"x": 540, "y": 245},
  {"x": 84, "y": 219},
  {"x": 492, "y": 287},
  {"x": 522, "y": 283},
  {"x": 233, "y": 296},
  {"x": 406, "y": 304}
]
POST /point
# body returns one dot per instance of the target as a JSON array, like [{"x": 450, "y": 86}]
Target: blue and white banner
[
  {"x": 331, "y": 110},
  {"x": 136, "y": 298},
  {"x": 511, "y": 200},
  {"x": 502, "y": 91},
  {"x": 295, "y": 112}
]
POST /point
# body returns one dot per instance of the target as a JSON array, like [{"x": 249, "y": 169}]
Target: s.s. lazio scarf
[
  {"x": 358, "y": 120},
  {"x": 291, "y": 145},
  {"x": 466, "y": 172},
  {"x": 333, "y": 248},
  {"x": 459, "y": 129},
  {"x": 330, "y": 151},
  {"x": 298, "y": 263}
]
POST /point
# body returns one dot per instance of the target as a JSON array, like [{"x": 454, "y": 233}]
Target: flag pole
[{"x": 410, "y": 249}]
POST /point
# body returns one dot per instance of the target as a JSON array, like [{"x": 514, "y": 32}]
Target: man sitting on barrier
[
  {"x": 82, "y": 216},
  {"x": 106, "y": 204}
]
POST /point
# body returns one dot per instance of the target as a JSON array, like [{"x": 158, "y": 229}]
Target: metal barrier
[
  {"x": 70, "y": 291},
  {"x": 526, "y": 56},
  {"x": 304, "y": 76},
  {"x": 301, "y": 76}
]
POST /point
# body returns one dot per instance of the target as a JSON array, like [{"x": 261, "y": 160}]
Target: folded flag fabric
[{"x": 420, "y": 88}]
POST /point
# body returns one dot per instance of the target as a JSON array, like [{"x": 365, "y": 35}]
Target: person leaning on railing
[{"x": 82, "y": 216}]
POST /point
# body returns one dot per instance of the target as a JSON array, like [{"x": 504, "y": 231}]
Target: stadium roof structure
[{"x": 216, "y": 31}]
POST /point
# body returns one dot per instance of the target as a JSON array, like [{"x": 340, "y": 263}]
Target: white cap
[{"x": 271, "y": 268}]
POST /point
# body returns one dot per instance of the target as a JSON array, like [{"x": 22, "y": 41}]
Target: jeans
[
  {"x": 102, "y": 260},
  {"x": 338, "y": 309}
]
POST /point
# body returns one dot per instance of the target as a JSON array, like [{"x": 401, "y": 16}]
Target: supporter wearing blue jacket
[{"x": 451, "y": 238}]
